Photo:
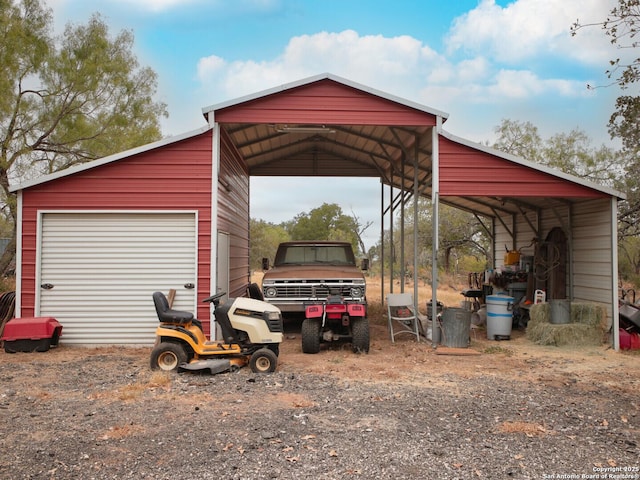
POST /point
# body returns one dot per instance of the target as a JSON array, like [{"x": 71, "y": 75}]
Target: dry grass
[
  {"x": 157, "y": 379},
  {"x": 527, "y": 428},
  {"x": 449, "y": 291}
]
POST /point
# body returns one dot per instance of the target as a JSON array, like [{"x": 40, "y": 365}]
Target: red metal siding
[
  {"x": 176, "y": 176},
  {"x": 233, "y": 213},
  {"x": 465, "y": 171},
  {"x": 324, "y": 102}
]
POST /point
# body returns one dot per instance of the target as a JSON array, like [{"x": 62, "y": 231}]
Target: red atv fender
[
  {"x": 352, "y": 309},
  {"x": 356, "y": 310}
]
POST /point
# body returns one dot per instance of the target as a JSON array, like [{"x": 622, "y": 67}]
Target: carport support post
[
  {"x": 382, "y": 242},
  {"x": 213, "y": 268},
  {"x": 614, "y": 274},
  {"x": 416, "y": 194},
  {"x": 435, "y": 194}
]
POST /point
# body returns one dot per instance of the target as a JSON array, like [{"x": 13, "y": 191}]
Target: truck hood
[{"x": 313, "y": 272}]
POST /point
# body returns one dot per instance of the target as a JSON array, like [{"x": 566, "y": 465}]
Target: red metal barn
[{"x": 95, "y": 241}]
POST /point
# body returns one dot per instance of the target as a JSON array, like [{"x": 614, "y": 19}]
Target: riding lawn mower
[{"x": 252, "y": 331}]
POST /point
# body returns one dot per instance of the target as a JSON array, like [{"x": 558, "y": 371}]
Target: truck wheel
[
  {"x": 263, "y": 361},
  {"x": 310, "y": 332},
  {"x": 360, "y": 333},
  {"x": 168, "y": 356}
]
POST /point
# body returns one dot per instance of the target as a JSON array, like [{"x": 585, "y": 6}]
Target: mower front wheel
[
  {"x": 263, "y": 361},
  {"x": 168, "y": 356}
]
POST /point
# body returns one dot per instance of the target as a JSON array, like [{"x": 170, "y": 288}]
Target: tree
[
  {"x": 518, "y": 138},
  {"x": 622, "y": 26},
  {"x": 573, "y": 153},
  {"x": 570, "y": 152},
  {"x": 265, "y": 238},
  {"x": 68, "y": 100},
  {"x": 326, "y": 222},
  {"x": 461, "y": 234},
  {"x": 629, "y": 259}
]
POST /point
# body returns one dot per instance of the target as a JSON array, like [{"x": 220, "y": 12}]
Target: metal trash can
[
  {"x": 560, "y": 311},
  {"x": 456, "y": 327}
]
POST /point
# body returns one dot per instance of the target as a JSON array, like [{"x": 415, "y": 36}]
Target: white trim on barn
[
  {"x": 18, "y": 306},
  {"x": 97, "y": 271}
]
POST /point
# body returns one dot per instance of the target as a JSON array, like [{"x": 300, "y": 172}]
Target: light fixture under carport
[{"x": 298, "y": 129}]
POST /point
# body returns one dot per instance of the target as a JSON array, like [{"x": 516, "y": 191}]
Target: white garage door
[{"x": 99, "y": 270}]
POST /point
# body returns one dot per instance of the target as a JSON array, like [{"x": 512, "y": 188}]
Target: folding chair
[{"x": 402, "y": 312}]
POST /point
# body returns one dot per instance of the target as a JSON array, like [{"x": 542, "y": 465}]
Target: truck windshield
[{"x": 315, "y": 254}]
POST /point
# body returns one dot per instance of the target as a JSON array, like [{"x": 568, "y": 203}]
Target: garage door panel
[{"x": 104, "y": 268}]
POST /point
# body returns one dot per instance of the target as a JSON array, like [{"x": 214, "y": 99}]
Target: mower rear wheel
[
  {"x": 360, "y": 333},
  {"x": 263, "y": 361},
  {"x": 310, "y": 333},
  {"x": 168, "y": 356}
]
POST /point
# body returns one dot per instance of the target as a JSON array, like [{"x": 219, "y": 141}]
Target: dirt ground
[{"x": 507, "y": 409}]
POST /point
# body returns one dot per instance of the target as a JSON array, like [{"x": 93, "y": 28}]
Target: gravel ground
[{"x": 401, "y": 411}]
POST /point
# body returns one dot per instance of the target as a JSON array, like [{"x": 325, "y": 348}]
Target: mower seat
[{"x": 166, "y": 314}]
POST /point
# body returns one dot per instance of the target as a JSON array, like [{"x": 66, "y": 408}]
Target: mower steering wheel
[{"x": 214, "y": 298}]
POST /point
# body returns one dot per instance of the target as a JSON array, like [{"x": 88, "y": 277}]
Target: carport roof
[{"x": 329, "y": 126}]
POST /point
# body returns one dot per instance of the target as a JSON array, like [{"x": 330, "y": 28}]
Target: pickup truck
[
  {"x": 322, "y": 280},
  {"x": 309, "y": 271}
]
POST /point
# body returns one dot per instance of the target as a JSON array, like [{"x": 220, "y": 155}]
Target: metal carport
[{"x": 329, "y": 126}]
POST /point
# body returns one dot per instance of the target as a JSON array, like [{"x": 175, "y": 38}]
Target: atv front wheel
[
  {"x": 168, "y": 356},
  {"x": 310, "y": 332},
  {"x": 263, "y": 361},
  {"x": 360, "y": 333}
]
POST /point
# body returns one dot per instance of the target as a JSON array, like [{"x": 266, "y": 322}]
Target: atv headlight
[
  {"x": 271, "y": 292},
  {"x": 356, "y": 292}
]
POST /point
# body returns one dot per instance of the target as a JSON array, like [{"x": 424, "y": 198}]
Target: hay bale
[
  {"x": 589, "y": 314},
  {"x": 568, "y": 334},
  {"x": 587, "y": 327},
  {"x": 540, "y": 312}
]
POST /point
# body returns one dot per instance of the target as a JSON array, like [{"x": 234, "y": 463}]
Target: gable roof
[
  {"x": 210, "y": 111},
  {"x": 109, "y": 159}
]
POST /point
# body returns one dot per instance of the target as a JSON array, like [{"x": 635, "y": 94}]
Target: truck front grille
[{"x": 314, "y": 291}]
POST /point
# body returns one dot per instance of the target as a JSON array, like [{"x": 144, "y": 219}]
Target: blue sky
[{"x": 480, "y": 61}]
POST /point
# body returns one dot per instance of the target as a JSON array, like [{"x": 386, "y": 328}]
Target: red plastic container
[
  {"x": 31, "y": 334},
  {"x": 629, "y": 341}
]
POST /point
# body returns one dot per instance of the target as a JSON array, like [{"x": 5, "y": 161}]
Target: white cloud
[
  {"x": 400, "y": 65},
  {"x": 526, "y": 28},
  {"x": 396, "y": 64},
  {"x": 157, "y": 5},
  {"x": 209, "y": 66}
]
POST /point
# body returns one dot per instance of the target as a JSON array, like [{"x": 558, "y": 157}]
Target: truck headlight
[
  {"x": 270, "y": 292},
  {"x": 356, "y": 292}
]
